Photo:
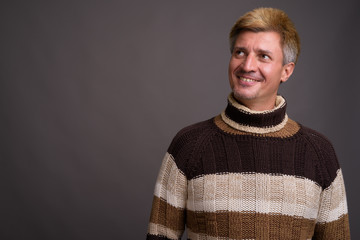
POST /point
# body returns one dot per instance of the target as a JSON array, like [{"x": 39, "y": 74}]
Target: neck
[
  {"x": 241, "y": 117},
  {"x": 257, "y": 105}
]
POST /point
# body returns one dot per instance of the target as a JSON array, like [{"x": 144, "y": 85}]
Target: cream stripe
[
  {"x": 255, "y": 192},
  {"x": 334, "y": 201},
  {"x": 335, "y": 214},
  {"x": 258, "y": 130},
  {"x": 336, "y": 190},
  {"x": 171, "y": 184},
  {"x": 157, "y": 229}
]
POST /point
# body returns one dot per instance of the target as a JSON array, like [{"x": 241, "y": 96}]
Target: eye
[
  {"x": 265, "y": 57},
  {"x": 239, "y": 53}
]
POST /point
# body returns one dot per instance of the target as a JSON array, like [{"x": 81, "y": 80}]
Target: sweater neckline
[{"x": 244, "y": 119}]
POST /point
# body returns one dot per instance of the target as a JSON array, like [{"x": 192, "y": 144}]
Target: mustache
[{"x": 251, "y": 75}]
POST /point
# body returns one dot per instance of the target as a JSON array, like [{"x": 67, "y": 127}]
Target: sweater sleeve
[
  {"x": 167, "y": 219},
  {"x": 333, "y": 220}
]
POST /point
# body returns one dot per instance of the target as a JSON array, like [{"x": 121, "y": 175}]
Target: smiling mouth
[{"x": 247, "y": 79}]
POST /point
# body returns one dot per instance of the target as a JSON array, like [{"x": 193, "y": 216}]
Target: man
[{"x": 251, "y": 172}]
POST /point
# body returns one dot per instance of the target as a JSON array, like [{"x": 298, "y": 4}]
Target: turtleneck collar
[{"x": 244, "y": 119}]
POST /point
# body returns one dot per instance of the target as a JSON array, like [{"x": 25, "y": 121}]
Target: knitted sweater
[{"x": 249, "y": 175}]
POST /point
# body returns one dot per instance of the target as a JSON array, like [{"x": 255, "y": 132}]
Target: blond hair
[{"x": 269, "y": 19}]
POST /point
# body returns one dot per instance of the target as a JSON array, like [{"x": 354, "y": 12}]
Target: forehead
[{"x": 268, "y": 40}]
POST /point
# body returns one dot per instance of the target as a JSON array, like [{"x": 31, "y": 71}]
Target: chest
[{"x": 254, "y": 193}]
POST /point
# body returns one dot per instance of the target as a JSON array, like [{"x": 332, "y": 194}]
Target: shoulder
[
  {"x": 321, "y": 148},
  {"x": 316, "y": 139},
  {"x": 188, "y": 142},
  {"x": 189, "y": 136}
]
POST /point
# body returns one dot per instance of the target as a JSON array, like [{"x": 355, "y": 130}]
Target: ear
[{"x": 287, "y": 70}]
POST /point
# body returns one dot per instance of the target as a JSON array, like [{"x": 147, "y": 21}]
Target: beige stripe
[
  {"x": 230, "y": 225},
  {"x": 159, "y": 230},
  {"x": 171, "y": 183},
  {"x": 334, "y": 204},
  {"x": 254, "y": 192}
]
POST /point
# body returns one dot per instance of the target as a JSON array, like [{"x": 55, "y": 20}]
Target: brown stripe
[
  {"x": 290, "y": 129},
  {"x": 339, "y": 229},
  {"x": 249, "y": 225},
  {"x": 256, "y": 120},
  {"x": 167, "y": 215}
]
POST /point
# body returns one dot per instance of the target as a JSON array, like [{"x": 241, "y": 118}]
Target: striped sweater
[{"x": 249, "y": 175}]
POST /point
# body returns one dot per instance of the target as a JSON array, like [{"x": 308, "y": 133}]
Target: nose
[{"x": 249, "y": 64}]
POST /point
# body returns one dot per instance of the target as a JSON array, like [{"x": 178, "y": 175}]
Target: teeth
[{"x": 247, "y": 79}]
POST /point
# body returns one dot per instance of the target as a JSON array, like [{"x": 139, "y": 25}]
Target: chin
[{"x": 243, "y": 96}]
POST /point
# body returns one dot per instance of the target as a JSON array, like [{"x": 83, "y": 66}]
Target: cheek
[
  {"x": 229, "y": 68},
  {"x": 232, "y": 66},
  {"x": 230, "y": 74},
  {"x": 271, "y": 72}
]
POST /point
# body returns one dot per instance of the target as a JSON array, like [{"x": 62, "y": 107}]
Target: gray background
[{"x": 92, "y": 92}]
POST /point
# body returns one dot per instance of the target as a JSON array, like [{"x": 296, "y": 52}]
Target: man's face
[{"x": 256, "y": 69}]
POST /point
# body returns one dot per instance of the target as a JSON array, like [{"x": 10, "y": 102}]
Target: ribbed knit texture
[{"x": 249, "y": 175}]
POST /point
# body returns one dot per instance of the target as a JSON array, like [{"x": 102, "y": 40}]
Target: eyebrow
[
  {"x": 262, "y": 51},
  {"x": 239, "y": 48}
]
